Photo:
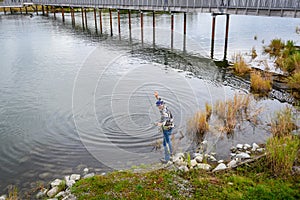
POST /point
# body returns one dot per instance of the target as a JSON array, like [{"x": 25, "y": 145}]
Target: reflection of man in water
[{"x": 165, "y": 4}]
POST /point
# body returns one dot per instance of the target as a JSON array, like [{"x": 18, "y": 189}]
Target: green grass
[{"x": 252, "y": 181}]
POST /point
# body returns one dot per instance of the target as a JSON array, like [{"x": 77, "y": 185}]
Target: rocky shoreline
[{"x": 61, "y": 188}]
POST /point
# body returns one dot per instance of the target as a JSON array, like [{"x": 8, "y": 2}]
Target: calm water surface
[{"x": 71, "y": 99}]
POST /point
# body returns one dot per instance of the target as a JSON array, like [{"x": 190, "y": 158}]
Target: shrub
[
  {"x": 294, "y": 81},
  {"x": 282, "y": 148},
  {"x": 283, "y": 124},
  {"x": 281, "y": 153},
  {"x": 260, "y": 84},
  {"x": 240, "y": 66},
  {"x": 253, "y": 53}
]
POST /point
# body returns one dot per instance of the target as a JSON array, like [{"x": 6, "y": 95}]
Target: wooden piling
[
  {"x": 100, "y": 20},
  {"x": 54, "y": 12},
  {"x": 110, "y": 22},
  {"x": 129, "y": 24},
  {"x": 119, "y": 23},
  {"x": 37, "y": 10},
  {"x": 86, "y": 24},
  {"x": 47, "y": 11},
  {"x": 226, "y": 37},
  {"x": 153, "y": 25},
  {"x": 95, "y": 19},
  {"x": 26, "y": 11},
  {"x": 4, "y": 10},
  {"x": 63, "y": 14},
  {"x": 184, "y": 32},
  {"x": 11, "y": 12},
  {"x": 142, "y": 28},
  {"x": 213, "y": 37},
  {"x": 184, "y": 23},
  {"x": 82, "y": 17},
  {"x": 172, "y": 30},
  {"x": 72, "y": 16},
  {"x": 43, "y": 10}
]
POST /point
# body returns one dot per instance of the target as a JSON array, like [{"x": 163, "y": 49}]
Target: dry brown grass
[
  {"x": 198, "y": 126},
  {"x": 283, "y": 123},
  {"x": 261, "y": 83},
  {"x": 240, "y": 66},
  {"x": 233, "y": 111}
]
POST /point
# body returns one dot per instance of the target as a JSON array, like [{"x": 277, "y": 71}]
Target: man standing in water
[{"x": 166, "y": 123}]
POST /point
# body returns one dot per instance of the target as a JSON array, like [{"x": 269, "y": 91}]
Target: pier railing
[{"x": 230, "y": 4}]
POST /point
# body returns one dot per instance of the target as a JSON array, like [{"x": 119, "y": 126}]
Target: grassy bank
[{"x": 253, "y": 181}]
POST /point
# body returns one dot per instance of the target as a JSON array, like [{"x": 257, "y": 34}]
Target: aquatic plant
[
  {"x": 240, "y": 66},
  {"x": 13, "y": 193},
  {"x": 260, "y": 83},
  {"x": 274, "y": 48},
  {"x": 233, "y": 111},
  {"x": 198, "y": 126},
  {"x": 283, "y": 123}
]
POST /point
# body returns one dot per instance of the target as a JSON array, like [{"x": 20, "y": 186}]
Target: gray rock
[
  {"x": 203, "y": 166},
  {"x": 193, "y": 163},
  {"x": 75, "y": 177},
  {"x": 254, "y": 147},
  {"x": 243, "y": 155},
  {"x": 232, "y": 163},
  {"x": 70, "y": 183},
  {"x": 53, "y": 191},
  {"x": 195, "y": 155},
  {"x": 239, "y": 146},
  {"x": 60, "y": 194},
  {"x": 260, "y": 150},
  {"x": 220, "y": 161},
  {"x": 233, "y": 149},
  {"x": 213, "y": 159},
  {"x": 85, "y": 170},
  {"x": 183, "y": 168},
  {"x": 2, "y": 197},
  {"x": 296, "y": 169},
  {"x": 221, "y": 166},
  {"x": 247, "y": 146},
  {"x": 103, "y": 174},
  {"x": 67, "y": 178},
  {"x": 56, "y": 182},
  {"x": 233, "y": 154},
  {"x": 199, "y": 158},
  {"x": 89, "y": 175},
  {"x": 69, "y": 197},
  {"x": 53, "y": 199},
  {"x": 42, "y": 193}
]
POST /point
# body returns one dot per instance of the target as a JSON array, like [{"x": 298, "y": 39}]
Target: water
[{"x": 71, "y": 99}]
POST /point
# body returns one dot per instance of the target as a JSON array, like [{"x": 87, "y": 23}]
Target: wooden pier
[{"x": 280, "y": 8}]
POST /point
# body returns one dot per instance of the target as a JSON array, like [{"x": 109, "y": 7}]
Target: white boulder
[
  {"x": 199, "y": 158},
  {"x": 183, "y": 168},
  {"x": 239, "y": 146},
  {"x": 243, "y": 155},
  {"x": 193, "y": 163},
  {"x": 232, "y": 163},
  {"x": 75, "y": 177},
  {"x": 203, "y": 166},
  {"x": 53, "y": 191},
  {"x": 89, "y": 175},
  {"x": 220, "y": 166},
  {"x": 56, "y": 182},
  {"x": 254, "y": 146}
]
